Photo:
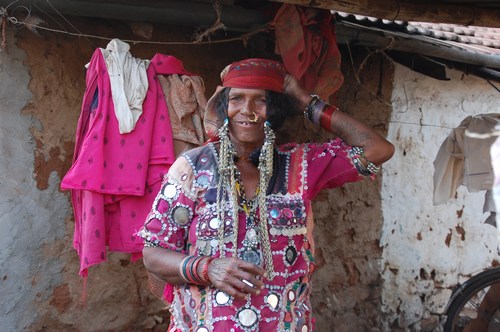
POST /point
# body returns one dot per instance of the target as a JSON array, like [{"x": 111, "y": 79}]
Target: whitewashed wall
[{"x": 428, "y": 248}]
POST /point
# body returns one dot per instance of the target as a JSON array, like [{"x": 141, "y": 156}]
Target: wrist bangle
[
  {"x": 189, "y": 270},
  {"x": 182, "y": 268},
  {"x": 317, "y": 111},
  {"x": 326, "y": 116},
  {"x": 357, "y": 154},
  {"x": 193, "y": 275},
  {"x": 309, "y": 108},
  {"x": 204, "y": 271}
]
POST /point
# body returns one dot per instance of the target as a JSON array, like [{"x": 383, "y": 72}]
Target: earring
[{"x": 255, "y": 119}]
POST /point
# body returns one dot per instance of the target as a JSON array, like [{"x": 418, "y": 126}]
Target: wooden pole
[{"x": 409, "y": 11}]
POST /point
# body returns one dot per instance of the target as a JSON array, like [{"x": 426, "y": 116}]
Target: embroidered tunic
[{"x": 184, "y": 219}]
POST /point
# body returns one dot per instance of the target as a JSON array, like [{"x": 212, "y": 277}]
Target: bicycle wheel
[{"x": 475, "y": 305}]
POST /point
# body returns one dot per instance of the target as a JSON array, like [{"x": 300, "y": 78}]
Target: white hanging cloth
[{"x": 129, "y": 83}]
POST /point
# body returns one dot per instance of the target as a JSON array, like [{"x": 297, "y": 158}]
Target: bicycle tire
[{"x": 471, "y": 293}]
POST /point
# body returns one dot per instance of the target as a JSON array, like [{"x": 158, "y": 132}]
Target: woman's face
[{"x": 243, "y": 106}]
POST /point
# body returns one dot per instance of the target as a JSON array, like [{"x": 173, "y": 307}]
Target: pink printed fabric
[
  {"x": 115, "y": 177},
  {"x": 190, "y": 189}
]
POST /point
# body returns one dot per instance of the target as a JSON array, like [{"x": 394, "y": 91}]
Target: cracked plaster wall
[{"x": 427, "y": 249}]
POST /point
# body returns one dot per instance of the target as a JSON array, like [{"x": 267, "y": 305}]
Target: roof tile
[{"x": 472, "y": 38}]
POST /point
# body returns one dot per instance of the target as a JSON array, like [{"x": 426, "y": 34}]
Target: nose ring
[{"x": 255, "y": 119}]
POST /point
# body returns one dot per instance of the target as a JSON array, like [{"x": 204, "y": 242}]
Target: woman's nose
[{"x": 247, "y": 108}]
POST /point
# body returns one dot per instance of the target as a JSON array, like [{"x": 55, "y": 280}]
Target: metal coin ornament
[
  {"x": 251, "y": 255},
  {"x": 249, "y": 252}
]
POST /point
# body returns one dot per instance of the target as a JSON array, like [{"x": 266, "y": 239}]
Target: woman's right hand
[
  {"x": 236, "y": 277},
  {"x": 293, "y": 88}
]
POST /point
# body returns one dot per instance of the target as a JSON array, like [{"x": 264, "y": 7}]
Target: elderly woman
[{"x": 230, "y": 232}]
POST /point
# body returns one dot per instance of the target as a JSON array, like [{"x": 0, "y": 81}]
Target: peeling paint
[
  {"x": 461, "y": 231},
  {"x": 447, "y": 241},
  {"x": 444, "y": 252}
]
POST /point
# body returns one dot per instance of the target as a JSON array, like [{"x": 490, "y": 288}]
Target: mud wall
[
  {"x": 347, "y": 284},
  {"x": 41, "y": 88}
]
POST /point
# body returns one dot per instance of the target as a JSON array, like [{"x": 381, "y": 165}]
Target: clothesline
[{"x": 244, "y": 37}]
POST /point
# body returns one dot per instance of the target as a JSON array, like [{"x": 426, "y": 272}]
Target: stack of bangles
[
  {"x": 319, "y": 112},
  {"x": 188, "y": 269},
  {"x": 358, "y": 156}
]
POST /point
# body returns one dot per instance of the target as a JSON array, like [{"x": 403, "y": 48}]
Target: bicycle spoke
[{"x": 475, "y": 305}]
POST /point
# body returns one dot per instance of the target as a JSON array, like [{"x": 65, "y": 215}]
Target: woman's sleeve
[
  {"x": 167, "y": 225},
  {"x": 329, "y": 165}
]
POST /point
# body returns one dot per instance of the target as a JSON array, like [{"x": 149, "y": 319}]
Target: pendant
[
  {"x": 251, "y": 255},
  {"x": 249, "y": 251}
]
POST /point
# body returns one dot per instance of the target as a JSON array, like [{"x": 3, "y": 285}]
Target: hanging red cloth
[{"x": 305, "y": 39}]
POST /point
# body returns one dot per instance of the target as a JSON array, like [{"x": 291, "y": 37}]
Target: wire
[
  {"x": 357, "y": 72},
  {"x": 243, "y": 37},
  {"x": 420, "y": 124}
]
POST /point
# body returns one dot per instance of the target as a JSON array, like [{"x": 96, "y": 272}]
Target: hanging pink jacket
[{"x": 115, "y": 177}]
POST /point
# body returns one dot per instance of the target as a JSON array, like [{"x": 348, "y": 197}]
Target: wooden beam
[{"x": 409, "y": 11}]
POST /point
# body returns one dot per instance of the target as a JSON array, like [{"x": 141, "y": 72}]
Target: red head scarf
[
  {"x": 255, "y": 74},
  {"x": 246, "y": 74}
]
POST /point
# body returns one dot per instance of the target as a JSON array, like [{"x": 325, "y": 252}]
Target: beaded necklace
[
  {"x": 228, "y": 185},
  {"x": 250, "y": 247},
  {"x": 247, "y": 206}
]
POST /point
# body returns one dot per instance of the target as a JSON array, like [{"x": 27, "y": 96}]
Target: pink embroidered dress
[
  {"x": 184, "y": 219},
  {"x": 114, "y": 177}
]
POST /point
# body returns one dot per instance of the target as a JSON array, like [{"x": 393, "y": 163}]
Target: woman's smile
[
  {"x": 248, "y": 123},
  {"x": 247, "y": 114}
]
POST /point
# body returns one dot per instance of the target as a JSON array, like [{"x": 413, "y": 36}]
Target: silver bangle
[
  {"x": 310, "y": 106},
  {"x": 357, "y": 153}
]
